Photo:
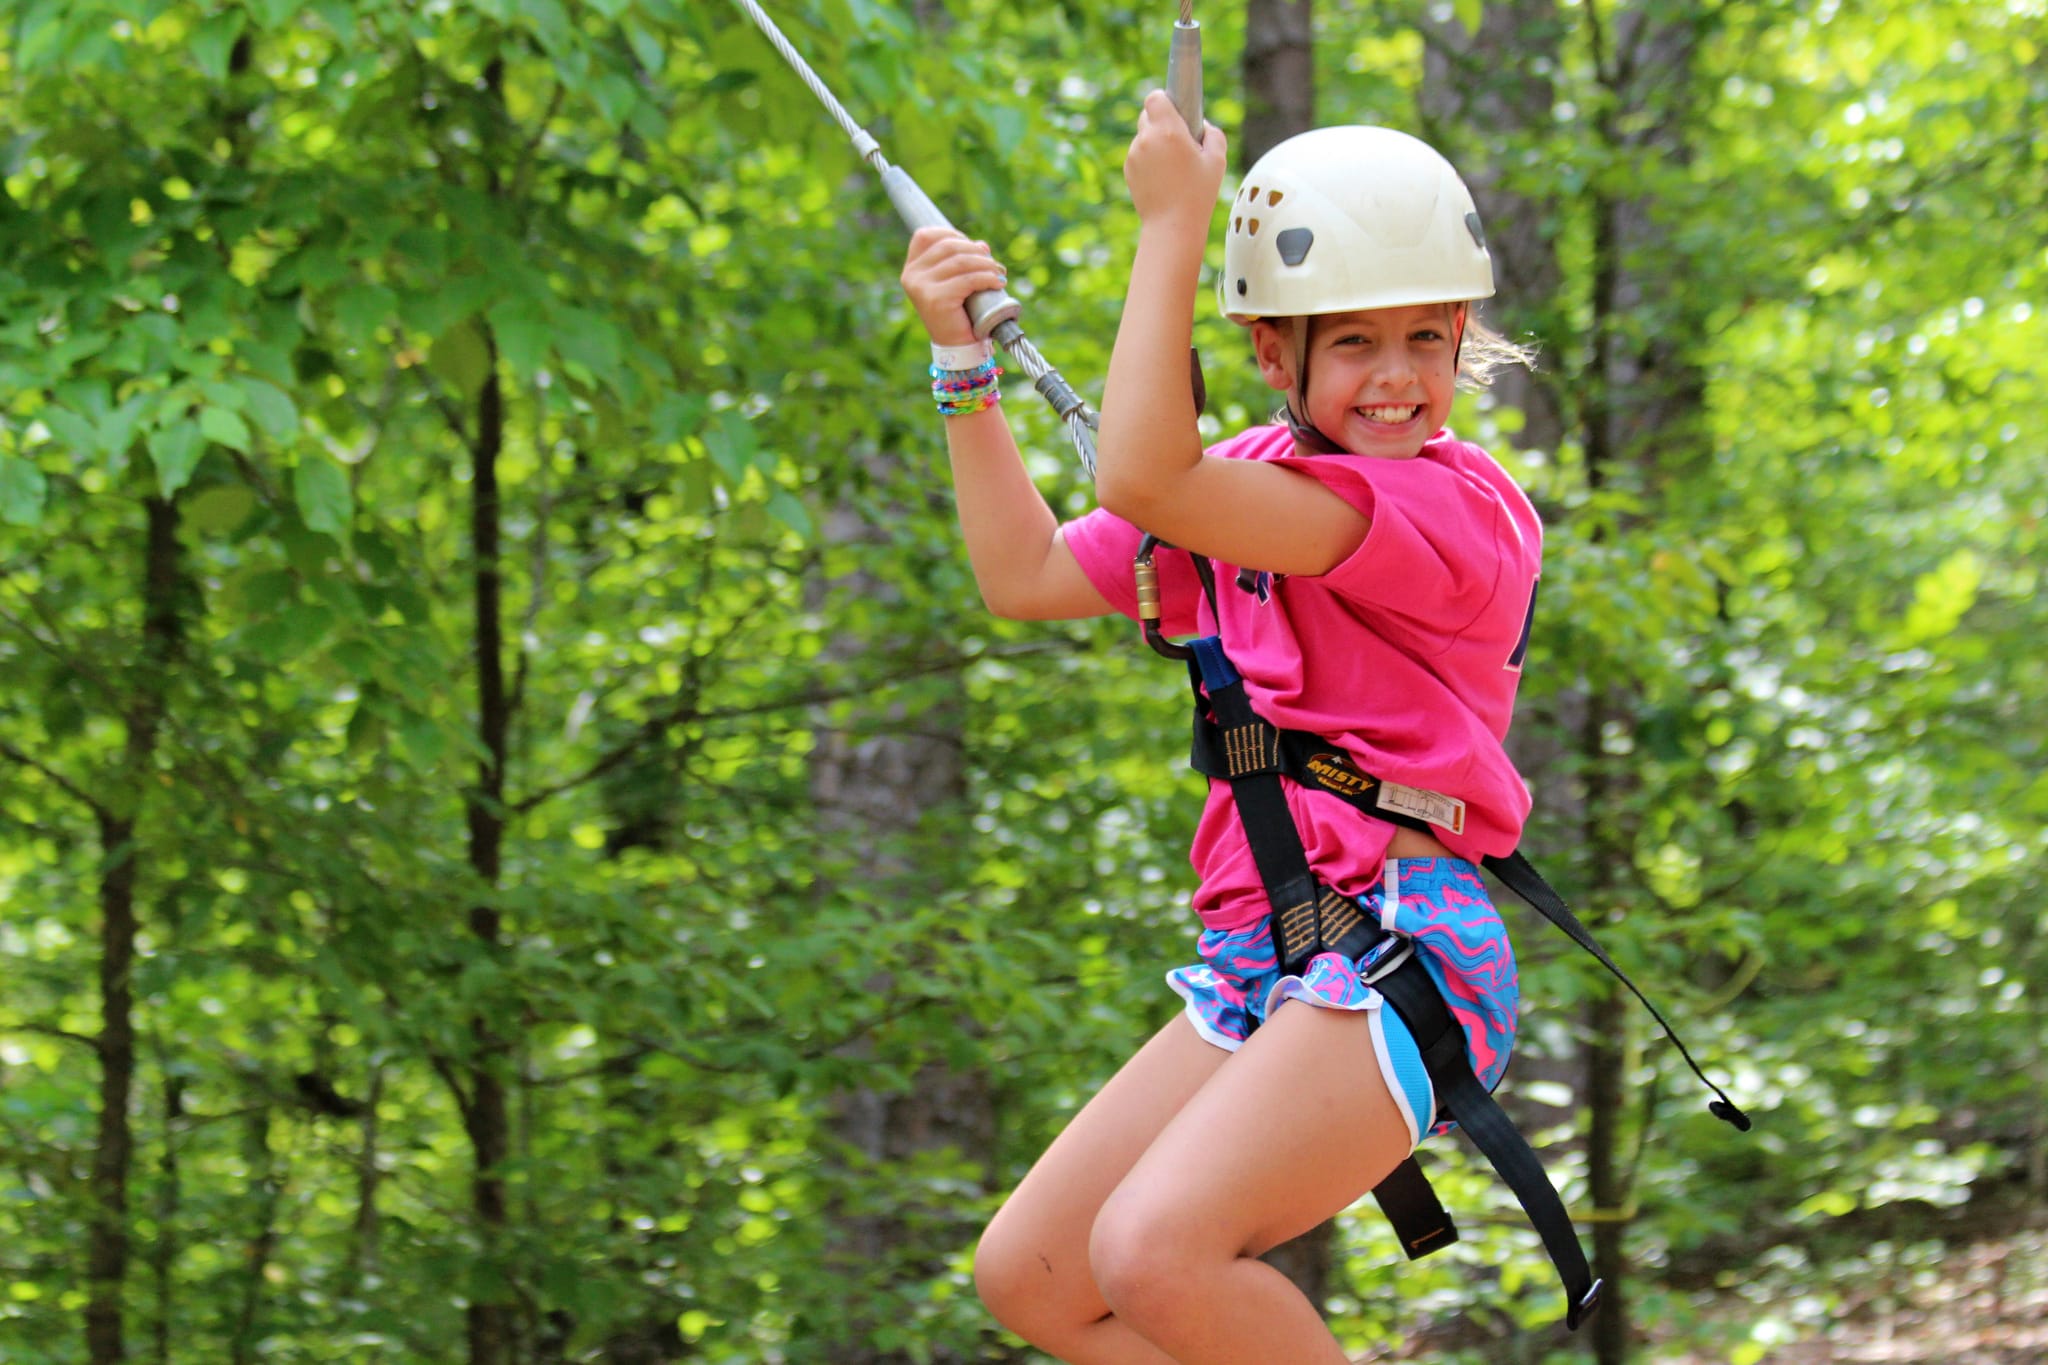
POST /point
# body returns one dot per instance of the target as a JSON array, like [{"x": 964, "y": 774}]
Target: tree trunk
[
  {"x": 486, "y": 1114},
  {"x": 163, "y": 1252},
  {"x": 107, "y": 1221},
  {"x": 261, "y": 1163},
  {"x": 362, "y": 1242},
  {"x": 1481, "y": 90},
  {"x": 107, "y": 1234},
  {"x": 1279, "y": 76},
  {"x": 1607, "y": 1173},
  {"x": 886, "y": 788},
  {"x": 1644, "y": 412}
]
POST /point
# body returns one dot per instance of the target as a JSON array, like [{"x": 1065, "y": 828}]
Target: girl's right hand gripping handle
[{"x": 990, "y": 308}]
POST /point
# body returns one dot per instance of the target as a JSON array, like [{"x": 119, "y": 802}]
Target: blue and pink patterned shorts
[{"x": 1443, "y": 906}]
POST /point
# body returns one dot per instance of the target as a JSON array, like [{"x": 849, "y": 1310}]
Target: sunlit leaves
[{"x": 23, "y": 488}]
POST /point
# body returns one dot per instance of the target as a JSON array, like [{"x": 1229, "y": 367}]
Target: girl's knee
[
  {"x": 1140, "y": 1259},
  {"x": 1020, "y": 1286},
  {"x": 1000, "y": 1281}
]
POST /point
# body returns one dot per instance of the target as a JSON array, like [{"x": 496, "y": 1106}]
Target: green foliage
[{"x": 297, "y": 271}]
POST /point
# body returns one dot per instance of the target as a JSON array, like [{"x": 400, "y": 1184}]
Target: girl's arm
[
  {"x": 1021, "y": 564},
  {"x": 1150, "y": 468}
]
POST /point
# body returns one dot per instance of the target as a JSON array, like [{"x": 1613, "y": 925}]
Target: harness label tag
[
  {"x": 1447, "y": 812},
  {"x": 1339, "y": 774}
]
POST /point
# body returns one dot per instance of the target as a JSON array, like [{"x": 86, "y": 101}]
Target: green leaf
[
  {"x": 174, "y": 449},
  {"x": 220, "y": 509},
  {"x": 274, "y": 13},
  {"x": 42, "y": 35},
  {"x": 272, "y": 408},
  {"x": 730, "y": 439},
  {"x": 320, "y": 487},
  {"x": 1007, "y": 123},
  {"x": 788, "y": 509},
  {"x": 1468, "y": 13},
  {"x": 214, "y": 42},
  {"x": 523, "y": 336},
  {"x": 590, "y": 340},
  {"x": 649, "y": 49},
  {"x": 361, "y": 309},
  {"x": 677, "y": 416},
  {"x": 422, "y": 740},
  {"x": 117, "y": 432},
  {"x": 73, "y": 432},
  {"x": 22, "y": 491},
  {"x": 460, "y": 357},
  {"x": 547, "y": 21},
  {"x": 615, "y": 96},
  {"x": 225, "y": 427}
]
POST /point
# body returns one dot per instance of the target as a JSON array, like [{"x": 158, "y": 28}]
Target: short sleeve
[
  {"x": 1434, "y": 540},
  {"x": 1104, "y": 545}
]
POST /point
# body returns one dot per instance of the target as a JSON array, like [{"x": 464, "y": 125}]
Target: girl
[{"x": 1388, "y": 571}]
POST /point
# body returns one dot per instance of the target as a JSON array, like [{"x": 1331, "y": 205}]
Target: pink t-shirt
[{"x": 1406, "y": 654}]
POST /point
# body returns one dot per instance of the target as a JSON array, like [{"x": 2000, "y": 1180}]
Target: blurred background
[{"x": 519, "y": 843}]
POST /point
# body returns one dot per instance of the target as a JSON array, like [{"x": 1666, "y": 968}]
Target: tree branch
[{"x": 69, "y": 787}]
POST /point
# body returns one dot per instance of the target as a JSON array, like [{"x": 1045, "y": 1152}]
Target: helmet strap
[{"x": 1307, "y": 435}]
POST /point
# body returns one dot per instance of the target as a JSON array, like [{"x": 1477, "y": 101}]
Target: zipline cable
[{"x": 993, "y": 312}]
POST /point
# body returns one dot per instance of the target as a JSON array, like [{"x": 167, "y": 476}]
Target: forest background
[{"x": 521, "y": 845}]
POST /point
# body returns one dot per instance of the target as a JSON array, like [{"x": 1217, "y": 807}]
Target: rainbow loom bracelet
[{"x": 960, "y": 392}]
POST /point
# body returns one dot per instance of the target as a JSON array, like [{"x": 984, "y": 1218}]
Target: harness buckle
[{"x": 1392, "y": 962}]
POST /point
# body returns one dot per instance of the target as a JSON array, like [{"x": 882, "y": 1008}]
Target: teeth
[{"x": 1392, "y": 416}]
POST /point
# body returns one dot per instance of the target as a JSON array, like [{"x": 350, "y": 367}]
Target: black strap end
[
  {"x": 1587, "y": 1305},
  {"x": 1729, "y": 1114}
]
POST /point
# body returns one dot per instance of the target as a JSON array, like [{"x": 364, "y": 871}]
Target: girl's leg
[
  {"x": 1031, "y": 1268},
  {"x": 1297, "y": 1127}
]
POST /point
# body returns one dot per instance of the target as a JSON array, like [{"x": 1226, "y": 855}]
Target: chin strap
[{"x": 1308, "y": 437}]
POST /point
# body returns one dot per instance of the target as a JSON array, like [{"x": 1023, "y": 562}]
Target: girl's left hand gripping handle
[
  {"x": 990, "y": 308},
  {"x": 1184, "y": 74}
]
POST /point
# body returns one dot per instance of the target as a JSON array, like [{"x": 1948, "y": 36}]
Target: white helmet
[{"x": 1351, "y": 217}]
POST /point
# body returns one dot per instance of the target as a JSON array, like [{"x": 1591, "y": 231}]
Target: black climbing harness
[{"x": 1234, "y": 743}]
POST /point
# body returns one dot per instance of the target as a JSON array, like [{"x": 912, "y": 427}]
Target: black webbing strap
[
  {"x": 1308, "y": 917},
  {"x": 1312, "y": 761},
  {"x": 1411, "y": 1208},
  {"x": 1413, "y": 993}
]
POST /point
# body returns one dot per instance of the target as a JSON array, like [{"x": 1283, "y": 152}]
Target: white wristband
[{"x": 972, "y": 356}]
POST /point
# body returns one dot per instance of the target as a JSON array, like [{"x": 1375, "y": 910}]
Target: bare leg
[
  {"x": 1295, "y": 1128},
  {"x": 1032, "y": 1265}
]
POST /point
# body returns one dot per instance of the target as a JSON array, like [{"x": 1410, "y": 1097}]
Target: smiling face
[{"x": 1380, "y": 381}]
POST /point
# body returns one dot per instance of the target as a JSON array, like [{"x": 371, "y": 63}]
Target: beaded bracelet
[{"x": 979, "y": 403}]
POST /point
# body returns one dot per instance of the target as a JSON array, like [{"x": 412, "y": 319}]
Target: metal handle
[
  {"x": 987, "y": 309},
  {"x": 1184, "y": 72}
]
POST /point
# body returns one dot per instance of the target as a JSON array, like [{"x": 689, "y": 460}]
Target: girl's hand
[
  {"x": 1170, "y": 177},
  {"x": 943, "y": 267}
]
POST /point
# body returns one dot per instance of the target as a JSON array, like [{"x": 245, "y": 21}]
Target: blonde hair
[{"x": 1486, "y": 352}]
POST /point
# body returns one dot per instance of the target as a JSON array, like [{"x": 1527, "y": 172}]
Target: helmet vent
[
  {"x": 1273, "y": 197},
  {"x": 1255, "y": 227},
  {"x": 1478, "y": 235},
  {"x": 1293, "y": 244}
]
